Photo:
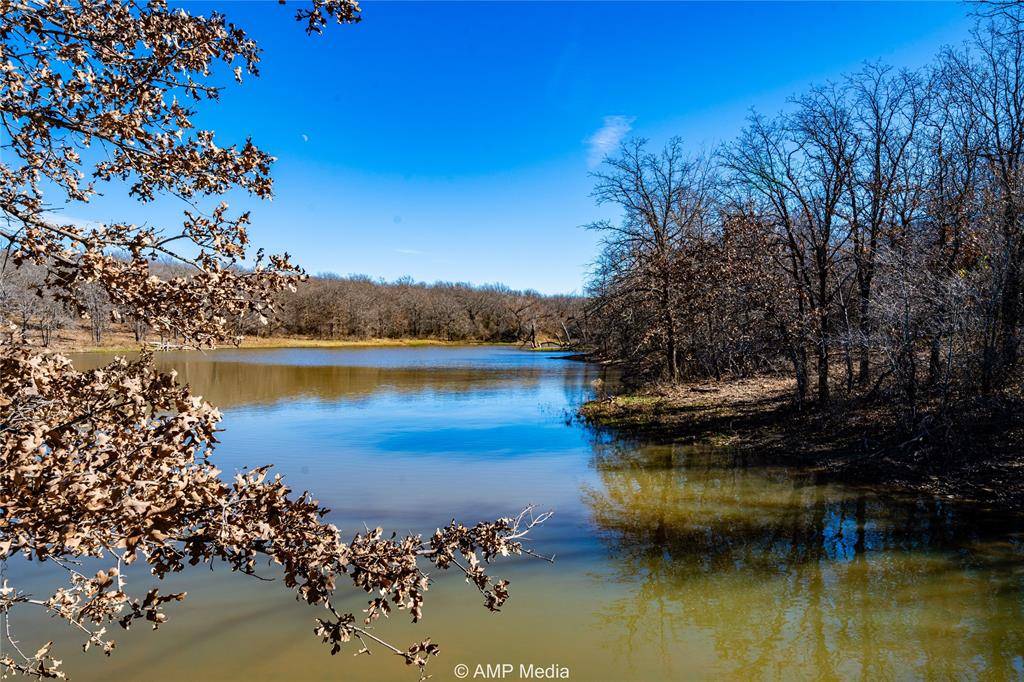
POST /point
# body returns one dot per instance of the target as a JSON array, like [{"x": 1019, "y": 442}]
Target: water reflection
[
  {"x": 782, "y": 577},
  {"x": 232, "y": 378},
  {"x": 673, "y": 562}
]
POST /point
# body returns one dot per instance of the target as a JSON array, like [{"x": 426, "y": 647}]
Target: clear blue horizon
[{"x": 453, "y": 141}]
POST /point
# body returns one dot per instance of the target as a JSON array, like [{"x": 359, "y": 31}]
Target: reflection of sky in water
[
  {"x": 441, "y": 452},
  {"x": 672, "y": 563}
]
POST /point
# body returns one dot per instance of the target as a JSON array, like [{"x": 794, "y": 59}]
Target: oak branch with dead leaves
[{"x": 114, "y": 465}]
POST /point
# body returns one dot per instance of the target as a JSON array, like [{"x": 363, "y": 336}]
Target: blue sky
[{"x": 452, "y": 141}]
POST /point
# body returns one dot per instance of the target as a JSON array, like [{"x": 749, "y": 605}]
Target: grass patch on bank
[{"x": 687, "y": 408}]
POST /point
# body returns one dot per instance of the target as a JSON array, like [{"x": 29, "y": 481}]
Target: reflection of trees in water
[
  {"x": 232, "y": 384},
  {"x": 227, "y": 383},
  {"x": 577, "y": 386},
  {"x": 781, "y": 575}
]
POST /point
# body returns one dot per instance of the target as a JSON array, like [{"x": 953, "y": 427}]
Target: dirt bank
[{"x": 978, "y": 459}]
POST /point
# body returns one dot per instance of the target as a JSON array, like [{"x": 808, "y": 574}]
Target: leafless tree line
[
  {"x": 332, "y": 307},
  {"x": 33, "y": 314},
  {"x": 869, "y": 239},
  {"x": 324, "y": 307}
]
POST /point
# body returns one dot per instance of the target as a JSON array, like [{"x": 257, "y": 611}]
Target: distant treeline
[
  {"x": 333, "y": 307},
  {"x": 325, "y": 307},
  {"x": 29, "y": 311},
  {"x": 868, "y": 240}
]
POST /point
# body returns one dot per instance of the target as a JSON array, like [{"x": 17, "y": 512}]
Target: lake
[{"x": 672, "y": 562}]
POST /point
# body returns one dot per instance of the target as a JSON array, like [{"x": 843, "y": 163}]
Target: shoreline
[
  {"x": 757, "y": 419},
  {"x": 124, "y": 343}
]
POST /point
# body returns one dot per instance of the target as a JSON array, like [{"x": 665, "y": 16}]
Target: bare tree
[
  {"x": 889, "y": 110},
  {"x": 878, "y": 220},
  {"x": 796, "y": 171},
  {"x": 667, "y": 199}
]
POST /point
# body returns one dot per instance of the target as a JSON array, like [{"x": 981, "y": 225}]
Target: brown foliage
[{"x": 115, "y": 464}]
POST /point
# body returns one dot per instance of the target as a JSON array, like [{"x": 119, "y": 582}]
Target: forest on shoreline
[
  {"x": 325, "y": 308},
  {"x": 865, "y": 246}
]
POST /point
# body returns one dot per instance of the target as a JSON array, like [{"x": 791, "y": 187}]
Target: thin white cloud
[
  {"x": 58, "y": 218},
  {"x": 608, "y": 137},
  {"x": 408, "y": 252}
]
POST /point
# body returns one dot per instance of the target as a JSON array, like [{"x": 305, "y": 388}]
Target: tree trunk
[
  {"x": 823, "y": 392},
  {"x": 934, "y": 360},
  {"x": 670, "y": 331},
  {"x": 864, "y": 327},
  {"x": 799, "y": 359},
  {"x": 1010, "y": 341}
]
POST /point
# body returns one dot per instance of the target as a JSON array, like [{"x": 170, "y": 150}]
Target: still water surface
[{"x": 672, "y": 562}]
